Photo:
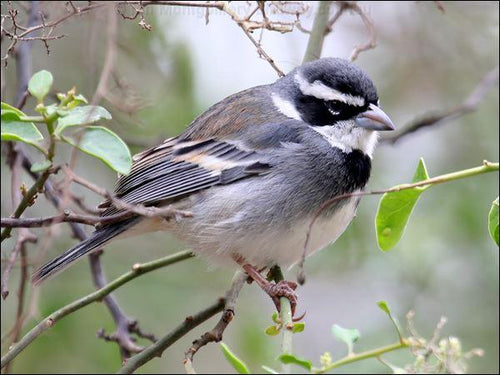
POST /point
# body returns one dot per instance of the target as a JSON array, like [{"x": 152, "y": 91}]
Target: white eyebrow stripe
[
  {"x": 321, "y": 91},
  {"x": 285, "y": 107}
]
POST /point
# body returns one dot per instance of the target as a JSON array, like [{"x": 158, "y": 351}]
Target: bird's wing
[{"x": 177, "y": 168}]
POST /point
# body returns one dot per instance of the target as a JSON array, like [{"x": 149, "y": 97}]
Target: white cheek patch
[
  {"x": 286, "y": 107},
  {"x": 320, "y": 91},
  {"x": 347, "y": 137}
]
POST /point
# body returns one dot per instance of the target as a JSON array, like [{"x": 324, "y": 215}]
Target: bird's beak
[{"x": 374, "y": 119}]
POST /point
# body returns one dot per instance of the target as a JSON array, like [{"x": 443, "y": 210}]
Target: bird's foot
[{"x": 285, "y": 289}]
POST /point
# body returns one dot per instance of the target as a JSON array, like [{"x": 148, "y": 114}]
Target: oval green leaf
[
  {"x": 349, "y": 336},
  {"x": 272, "y": 330},
  {"x": 384, "y": 307},
  {"x": 81, "y": 116},
  {"x": 8, "y": 107},
  {"x": 395, "y": 209},
  {"x": 78, "y": 100},
  {"x": 493, "y": 221},
  {"x": 237, "y": 363},
  {"x": 40, "y": 84},
  {"x": 298, "y": 327},
  {"x": 105, "y": 145},
  {"x": 13, "y": 129},
  {"x": 41, "y": 166},
  {"x": 291, "y": 359},
  {"x": 275, "y": 317}
]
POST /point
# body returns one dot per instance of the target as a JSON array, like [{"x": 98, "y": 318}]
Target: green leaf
[
  {"x": 50, "y": 109},
  {"x": 395, "y": 208},
  {"x": 291, "y": 359},
  {"x": 493, "y": 221},
  {"x": 40, "y": 84},
  {"x": 269, "y": 370},
  {"x": 275, "y": 317},
  {"x": 384, "y": 307},
  {"x": 13, "y": 129},
  {"x": 237, "y": 363},
  {"x": 8, "y": 107},
  {"x": 272, "y": 330},
  {"x": 77, "y": 100},
  {"x": 421, "y": 172},
  {"x": 298, "y": 327},
  {"x": 105, "y": 145},
  {"x": 349, "y": 336},
  {"x": 81, "y": 116},
  {"x": 40, "y": 167}
]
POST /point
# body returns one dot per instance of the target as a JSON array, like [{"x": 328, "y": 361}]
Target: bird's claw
[{"x": 285, "y": 289}]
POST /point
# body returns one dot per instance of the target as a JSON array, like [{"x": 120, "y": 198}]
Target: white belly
[
  {"x": 286, "y": 247},
  {"x": 269, "y": 246}
]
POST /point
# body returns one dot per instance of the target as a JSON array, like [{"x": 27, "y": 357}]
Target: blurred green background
[{"x": 446, "y": 263}]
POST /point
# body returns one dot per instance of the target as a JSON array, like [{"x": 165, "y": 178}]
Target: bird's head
[{"x": 337, "y": 99}]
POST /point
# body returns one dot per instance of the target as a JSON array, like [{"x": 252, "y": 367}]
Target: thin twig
[
  {"x": 66, "y": 217},
  {"x": 372, "y": 41},
  {"x": 48, "y": 322},
  {"x": 343, "y": 6},
  {"x": 23, "y": 237},
  {"x": 470, "y": 104},
  {"x": 215, "y": 335},
  {"x": 156, "y": 349},
  {"x": 121, "y": 320},
  {"x": 243, "y": 25}
]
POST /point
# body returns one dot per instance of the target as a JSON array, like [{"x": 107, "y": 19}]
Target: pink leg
[{"x": 275, "y": 291}]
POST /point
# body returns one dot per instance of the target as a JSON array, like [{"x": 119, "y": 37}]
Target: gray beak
[{"x": 374, "y": 119}]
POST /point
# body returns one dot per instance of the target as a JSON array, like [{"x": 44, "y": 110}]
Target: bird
[{"x": 253, "y": 170}]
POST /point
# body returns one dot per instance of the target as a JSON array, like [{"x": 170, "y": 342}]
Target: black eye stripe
[{"x": 342, "y": 110}]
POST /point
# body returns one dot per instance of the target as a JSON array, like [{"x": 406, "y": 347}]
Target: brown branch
[
  {"x": 23, "y": 237},
  {"x": 139, "y": 209},
  {"x": 470, "y": 104},
  {"x": 215, "y": 335},
  {"x": 122, "y": 321},
  {"x": 66, "y": 217},
  {"x": 98, "y": 295},
  {"x": 244, "y": 25},
  {"x": 343, "y": 6},
  {"x": 440, "y": 6},
  {"x": 156, "y": 349},
  {"x": 372, "y": 41}
]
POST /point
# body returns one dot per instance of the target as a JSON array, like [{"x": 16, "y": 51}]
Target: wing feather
[{"x": 178, "y": 168}]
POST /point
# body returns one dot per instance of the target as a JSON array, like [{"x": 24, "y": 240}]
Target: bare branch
[
  {"x": 215, "y": 335},
  {"x": 48, "y": 322},
  {"x": 23, "y": 237},
  {"x": 122, "y": 322},
  {"x": 470, "y": 104},
  {"x": 343, "y": 6},
  {"x": 156, "y": 349},
  {"x": 372, "y": 42}
]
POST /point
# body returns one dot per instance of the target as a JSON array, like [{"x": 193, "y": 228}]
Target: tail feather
[{"x": 96, "y": 240}]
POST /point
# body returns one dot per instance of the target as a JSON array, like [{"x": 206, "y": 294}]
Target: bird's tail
[{"x": 95, "y": 241}]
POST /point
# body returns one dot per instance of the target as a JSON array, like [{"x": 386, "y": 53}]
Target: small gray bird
[{"x": 253, "y": 170}]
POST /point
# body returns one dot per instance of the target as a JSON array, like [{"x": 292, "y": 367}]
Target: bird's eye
[{"x": 334, "y": 107}]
